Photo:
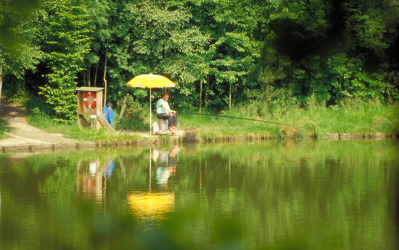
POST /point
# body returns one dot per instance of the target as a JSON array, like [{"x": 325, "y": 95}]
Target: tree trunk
[
  {"x": 200, "y": 98},
  {"x": 338, "y": 94},
  {"x": 105, "y": 72},
  {"x": 234, "y": 93},
  {"x": 1, "y": 84},
  {"x": 206, "y": 96},
  {"x": 229, "y": 96},
  {"x": 84, "y": 79},
  {"x": 95, "y": 76},
  {"x": 313, "y": 88},
  {"x": 88, "y": 76}
]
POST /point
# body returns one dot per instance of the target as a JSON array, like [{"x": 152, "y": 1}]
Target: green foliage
[
  {"x": 391, "y": 87},
  {"x": 135, "y": 116},
  {"x": 17, "y": 93},
  {"x": 337, "y": 51},
  {"x": 169, "y": 43},
  {"x": 321, "y": 50},
  {"x": 18, "y": 50},
  {"x": 235, "y": 47},
  {"x": 66, "y": 36},
  {"x": 3, "y": 128},
  {"x": 268, "y": 104},
  {"x": 352, "y": 81}
]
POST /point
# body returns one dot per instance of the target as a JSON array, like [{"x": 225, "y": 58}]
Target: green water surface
[{"x": 270, "y": 195}]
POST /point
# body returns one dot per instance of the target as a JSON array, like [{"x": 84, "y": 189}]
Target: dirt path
[{"x": 21, "y": 133}]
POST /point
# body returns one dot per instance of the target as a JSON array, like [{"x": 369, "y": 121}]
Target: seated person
[{"x": 165, "y": 113}]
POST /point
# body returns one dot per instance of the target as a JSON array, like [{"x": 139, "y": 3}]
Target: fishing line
[
  {"x": 234, "y": 117},
  {"x": 244, "y": 119},
  {"x": 126, "y": 126}
]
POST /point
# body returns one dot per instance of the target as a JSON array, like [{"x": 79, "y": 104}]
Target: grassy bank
[
  {"x": 309, "y": 120},
  {"x": 350, "y": 116},
  {"x": 71, "y": 130},
  {"x": 3, "y": 128},
  {"x": 39, "y": 117}
]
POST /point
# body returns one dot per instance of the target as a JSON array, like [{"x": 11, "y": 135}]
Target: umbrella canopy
[
  {"x": 150, "y": 81},
  {"x": 150, "y": 205}
]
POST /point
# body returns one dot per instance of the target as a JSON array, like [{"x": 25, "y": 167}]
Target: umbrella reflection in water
[{"x": 154, "y": 204}]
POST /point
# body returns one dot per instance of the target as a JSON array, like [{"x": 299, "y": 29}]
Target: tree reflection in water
[{"x": 273, "y": 195}]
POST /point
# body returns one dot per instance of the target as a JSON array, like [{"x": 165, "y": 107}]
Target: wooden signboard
[
  {"x": 105, "y": 123},
  {"x": 90, "y": 102}
]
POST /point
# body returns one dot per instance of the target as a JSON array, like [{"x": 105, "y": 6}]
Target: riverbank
[
  {"x": 351, "y": 116},
  {"x": 157, "y": 140},
  {"x": 351, "y": 120}
]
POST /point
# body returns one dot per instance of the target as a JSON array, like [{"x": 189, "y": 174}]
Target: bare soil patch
[{"x": 21, "y": 133}]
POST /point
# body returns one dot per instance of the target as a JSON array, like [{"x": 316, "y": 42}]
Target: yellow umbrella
[
  {"x": 151, "y": 204},
  {"x": 150, "y": 81}
]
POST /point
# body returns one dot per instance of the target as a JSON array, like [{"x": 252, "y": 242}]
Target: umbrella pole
[
  {"x": 150, "y": 110},
  {"x": 150, "y": 171}
]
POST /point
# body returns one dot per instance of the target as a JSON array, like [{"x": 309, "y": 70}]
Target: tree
[
  {"x": 167, "y": 42},
  {"x": 67, "y": 42},
  {"x": 236, "y": 48},
  {"x": 336, "y": 48},
  {"x": 17, "y": 53},
  {"x": 214, "y": 50}
]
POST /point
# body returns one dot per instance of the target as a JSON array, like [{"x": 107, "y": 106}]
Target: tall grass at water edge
[
  {"x": 357, "y": 116},
  {"x": 349, "y": 116}
]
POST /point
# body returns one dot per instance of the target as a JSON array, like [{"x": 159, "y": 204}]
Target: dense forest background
[{"x": 220, "y": 53}]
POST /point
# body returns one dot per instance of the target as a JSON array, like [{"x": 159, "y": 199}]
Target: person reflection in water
[
  {"x": 108, "y": 170},
  {"x": 166, "y": 166}
]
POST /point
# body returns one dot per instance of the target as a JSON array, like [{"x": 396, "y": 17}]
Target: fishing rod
[
  {"x": 126, "y": 126},
  {"x": 225, "y": 116}
]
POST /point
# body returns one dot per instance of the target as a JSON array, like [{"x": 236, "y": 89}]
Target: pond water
[{"x": 269, "y": 195}]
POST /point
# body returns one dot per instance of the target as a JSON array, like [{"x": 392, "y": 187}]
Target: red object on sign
[{"x": 85, "y": 100}]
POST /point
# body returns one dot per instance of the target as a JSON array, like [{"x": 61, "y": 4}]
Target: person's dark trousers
[{"x": 172, "y": 119}]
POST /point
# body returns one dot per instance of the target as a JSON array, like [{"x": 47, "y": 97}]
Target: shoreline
[{"x": 148, "y": 141}]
